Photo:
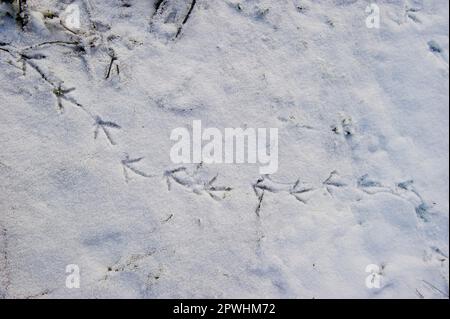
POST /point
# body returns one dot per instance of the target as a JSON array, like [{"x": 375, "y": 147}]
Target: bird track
[
  {"x": 175, "y": 12},
  {"x": 403, "y": 190},
  {"x": 196, "y": 182}
]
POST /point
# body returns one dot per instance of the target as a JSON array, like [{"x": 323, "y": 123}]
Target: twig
[
  {"x": 52, "y": 43},
  {"x": 260, "y": 200},
  {"x": 67, "y": 28},
  {"x": 186, "y": 18},
  {"x": 113, "y": 59}
]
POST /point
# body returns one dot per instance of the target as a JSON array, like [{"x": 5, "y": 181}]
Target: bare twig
[{"x": 186, "y": 18}]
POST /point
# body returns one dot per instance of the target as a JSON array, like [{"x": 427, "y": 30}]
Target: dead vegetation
[
  {"x": 19, "y": 12},
  {"x": 172, "y": 12}
]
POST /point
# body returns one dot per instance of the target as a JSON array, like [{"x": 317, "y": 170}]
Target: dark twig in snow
[
  {"x": 111, "y": 63},
  {"x": 186, "y": 18},
  {"x": 63, "y": 43},
  {"x": 158, "y": 5},
  {"x": 260, "y": 200},
  {"x": 167, "y": 219},
  {"x": 172, "y": 12},
  {"x": 66, "y": 27},
  {"x": 23, "y": 14}
]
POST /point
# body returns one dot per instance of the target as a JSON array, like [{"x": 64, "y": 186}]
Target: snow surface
[{"x": 363, "y": 120}]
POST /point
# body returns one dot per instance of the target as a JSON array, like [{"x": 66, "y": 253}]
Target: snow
[{"x": 362, "y": 116}]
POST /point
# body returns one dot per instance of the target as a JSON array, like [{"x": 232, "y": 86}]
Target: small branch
[
  {"x": 260, "y": 201},
  {"x": 23, "y": 15},
  {"x": 168, "y": 218},
  {"x": 67, "y": 28},
  {"x": 186, "y": 18},
  {"x": 158, "y": 5},
  {"x": 113, "y": 59},
  {"x": 76, "y": 43}
]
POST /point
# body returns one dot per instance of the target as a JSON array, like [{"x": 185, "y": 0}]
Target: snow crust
[{"x": 363, "y": 126}]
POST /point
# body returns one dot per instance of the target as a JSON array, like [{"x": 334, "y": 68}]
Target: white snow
[{"x": 363, "y": 124}]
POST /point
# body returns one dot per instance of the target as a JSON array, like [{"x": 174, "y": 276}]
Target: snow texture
[{"x": 86, "y": 177}]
